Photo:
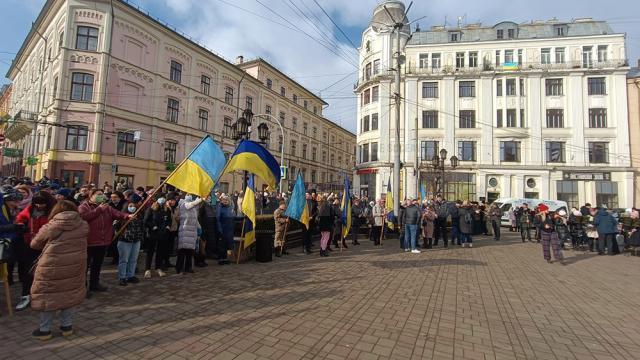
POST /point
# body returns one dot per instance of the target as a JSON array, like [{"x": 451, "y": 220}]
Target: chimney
[{"x": 239, "y": 60}]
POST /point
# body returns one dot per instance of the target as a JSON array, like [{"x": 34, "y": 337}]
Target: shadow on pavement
[{"x": 420, "y": 263}]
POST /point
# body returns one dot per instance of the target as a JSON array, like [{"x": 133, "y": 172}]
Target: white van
[{"x": 506, "y": 204}]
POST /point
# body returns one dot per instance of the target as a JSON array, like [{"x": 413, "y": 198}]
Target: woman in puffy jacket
[
  {"x": 33, "y": 217},
  {"x": 60, "y": 274},
  {"x": 187, "y": 233},
  {"x": 99, "y": 215}
]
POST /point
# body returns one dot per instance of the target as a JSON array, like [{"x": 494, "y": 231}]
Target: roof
[
  {"x": 633, "y": 73},
  {"x": 528, "y": 30},
  {"x": 274, "y": 69}
]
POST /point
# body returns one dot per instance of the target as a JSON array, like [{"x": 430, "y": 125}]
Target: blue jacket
[
  {"x": 225, "y": 222},
  {"x": 605, "y": 222},
  {"x": 7, "y": 227}
]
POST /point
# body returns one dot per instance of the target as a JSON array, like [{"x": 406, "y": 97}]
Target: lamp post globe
[
  {"x": 263, "y": 132},
  {"x": 454, "y": 161},
  {"x": 443, "y": 154}
]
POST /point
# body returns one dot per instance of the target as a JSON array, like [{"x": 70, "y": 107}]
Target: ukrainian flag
[
  {"x": 297, "y": 208},
  {"x": 249, "y": 210},
  {"x": 389, "y": 205},
  {"x": 200, "y": 170},
  {"x": 250, "y": 156},
  {"x": 510, "y": 66},
  {"x": 345, "y": 218}
]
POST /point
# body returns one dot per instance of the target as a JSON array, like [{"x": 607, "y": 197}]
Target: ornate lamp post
[
  {"x": 241, "y": 130},
  {"x": 438, "y": 165}
]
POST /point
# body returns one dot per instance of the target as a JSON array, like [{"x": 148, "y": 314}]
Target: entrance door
[
  {"x": 492, "y": 196},
  {"x": 72, "y": 178},
  {"x": 531, "y": 195}
]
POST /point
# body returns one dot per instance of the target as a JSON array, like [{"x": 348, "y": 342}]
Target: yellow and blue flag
[
  {"x": 388, "y": 204},
  {"x": 423, "y": 192},
  {"x": 297, "y": 208},
  {"x": 345, "y": 218},
  {"x": 198, "y": 173},
  {"x": 252, "y": 157},
  {"x": 510, "y": 66},
  {"x": 249, "y": 210}
]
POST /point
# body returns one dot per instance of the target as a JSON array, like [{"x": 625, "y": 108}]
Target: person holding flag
[
  {"x": 281, "y": 221},
  {"x": 298, "y": 208},
  {"x": 345, "y": 206}
]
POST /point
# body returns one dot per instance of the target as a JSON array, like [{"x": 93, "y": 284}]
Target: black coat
[
  {"x": 157, "y": 221},
  {"x": 208, "y": 222},
  {"x": 326, "y": 216}
]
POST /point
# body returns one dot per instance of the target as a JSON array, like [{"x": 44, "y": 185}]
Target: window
[
  {"x": 77, "y": 137},
  {"x": 511, "y": 33},
  {"x": 364, "y": 153},
  {"x": 315, "y": 131},
  {"x": 599, "y": 152},
  {"x": 203, "y": 115},
  {"x": 376, "y": 67},
  {"x": 459, "y": 60},
  {"x": 54, "y": 93},
  {"x": 511, "y": 87},
  {"x": 607, "y": 194},
  {"x": 324, "y": 156},
  {"x": 374, "y": 121},
  {"x": 374, "y": 94},
  {"x": 553, "y": 87},
  {"x": 365, "y": 123},
  {"x": 430, "y": 90},
  {"x": 374, "y": 151},
  {"x": 498, "y": 58},
  {"x": 281, "y": 116},
  {"x": 598, "y": 118},
  {"x": 597, "y": 86},
  {"x": 587, "y": 57},
  {"x": 205, "y": 84},
  {"x": 304, "y": 128},
  {"x": 175, "y": 73},
  {"x": 560, "y": 55},
  {"x": 228, "y": 95},
  {"x": 304, "y": 151},
  {"x": 227, "y": 130},
  {"x": 280, "y": 143},
  {"x": 314, "y": 152},
  {"x": 173, "y": 109},
  {"x": 500, "y": 34},
  {"x": 366, "y": 97},
  {"x": 423, "y": 61},
  {"x": 429, "y": 119},
  {"x": 555, "y": 118},
  {"x": 126, "y": 144},
  {"x": 81, "y": 87},
  {"x": 294, "y": 124},
  {"x": 305, "y": 103},
  {"x": 545, "y": 56},
  {"x": 523, "y": 123},
  {"x": 498, "y": 87},
  {"x": 293, "y": 147},
  {"x": 269, "y": 84},
  {"x": 568, "y": 191},
  {"x": 87, "y": 38},
  {"x": 522, "y": 92},
  {"x": 428, "y": 150},
  {"x": 508, "y": 56},
  {"x": 602, "y": 53},
  {"x": 467, "y": 89},
  {"x": 510, "y": 151},
  {"x": 367, "y": 71},
  {"x": 512, "y": 121},
  {"x": 560, "y": 31},
  {"x": 499, "y": 118},
  {"x": 295, "y": 98},
  {"x": 249, "y": 103},
  {"x": 473, "y": 59},
  {"x": 555, "y": 151},
  {"x": 467, "y": 119},
  {"x": 315, "y": 109},
  {"x": 267, "y": 109},
  {"x": 454, "y": 37},
  {"x": 283, "y": 92},
  {"x": 520, "y": 57},
  {"x": 435, "y": 61},
  {"x": 170, "y": 151},
  {"x": 467, "y": 150},
  {"x": 333, "y": 157},
  {"x": 61, "y": 39}
]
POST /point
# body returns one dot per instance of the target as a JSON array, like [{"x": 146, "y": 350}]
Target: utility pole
[{"x": 396, "y": 146}]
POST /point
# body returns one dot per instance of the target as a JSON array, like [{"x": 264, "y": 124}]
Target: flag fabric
[
  {"x": 423, "y": 192},
  {"x": 252, "y": 157},
  {"x": 345, "y": 218},
  {"x": 249, "y": 211},
  {"x": 389, "y": 205},
  {"x": 297, "y": 208},
  {"x": 510, "y": 66},
  {"x": 198, "y": 173}
]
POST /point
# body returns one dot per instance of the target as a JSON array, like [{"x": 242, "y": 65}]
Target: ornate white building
[{"x": 536, "y": 109}]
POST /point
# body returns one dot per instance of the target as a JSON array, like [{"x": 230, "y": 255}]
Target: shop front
[{"x": 457, "y": 185}]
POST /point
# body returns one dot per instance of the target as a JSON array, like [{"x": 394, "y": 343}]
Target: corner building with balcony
[
  {"x": 109, "y": 93},
  {"x": 533, "y": 110}
]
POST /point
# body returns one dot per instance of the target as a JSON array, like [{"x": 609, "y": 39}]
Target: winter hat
[
  {"x": 135, "y": 198},
  {"x": 577, "y": 213},
  {"x": 562, "y": 212},
  {"x": 64, "y": 192},
  {"x": 543, "y": 207},
  {"x": 172, "y": 195}
]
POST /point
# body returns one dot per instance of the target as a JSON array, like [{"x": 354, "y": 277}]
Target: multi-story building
[
  {"x": 534, "y": 110},
  {"x": 633, "y": 91},
  {"x": 115, "y": 94}
]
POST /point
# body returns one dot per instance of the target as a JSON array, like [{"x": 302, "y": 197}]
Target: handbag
[{"x": 6, "y": 250}]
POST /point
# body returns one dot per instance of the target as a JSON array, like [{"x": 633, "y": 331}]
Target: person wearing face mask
[
  {"x": 157, "y": 219},
  {"x": 187, "y": 233},
  {"x": 33, "y": 217},
  {"x": 100, "y": 216},
  {"x": 129, "y": 244},
  {"x": 9, "y": 202}
]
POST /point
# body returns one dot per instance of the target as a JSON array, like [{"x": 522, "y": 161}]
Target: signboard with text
[{"x": 586, "y": 176}]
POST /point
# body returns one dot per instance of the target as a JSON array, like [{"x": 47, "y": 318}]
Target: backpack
[{"x": 468, "y": 218}]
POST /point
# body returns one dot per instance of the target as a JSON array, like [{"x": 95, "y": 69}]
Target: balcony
[{"x": 21, "y": 125}]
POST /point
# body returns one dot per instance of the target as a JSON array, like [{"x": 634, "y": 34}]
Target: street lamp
[
  {"x": 277, "y": 121},
  {"x": 438, "y": 164},
  {"x": 263, "y": 133}
]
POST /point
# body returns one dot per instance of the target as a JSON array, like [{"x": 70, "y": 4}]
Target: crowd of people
[{"x": 59, "y": 235}]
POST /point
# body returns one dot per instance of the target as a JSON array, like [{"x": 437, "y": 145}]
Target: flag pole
[
  {"x": 241, "y": 241},
  {"x": 284, "y": 236}
]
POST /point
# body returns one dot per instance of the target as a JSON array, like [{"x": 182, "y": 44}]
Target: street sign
[
  {"x": 10, "y": 152},
  {"x": 284, "y": 171},
  {"x": 32, "y": 160},
  {"x": 587, "y": 176}
]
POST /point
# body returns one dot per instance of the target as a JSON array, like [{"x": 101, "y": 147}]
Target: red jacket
[
  {"x": 100, "y": 221},
  {"x": 34, "y": 225}
]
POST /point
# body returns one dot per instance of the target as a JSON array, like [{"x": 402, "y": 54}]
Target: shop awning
[{"x": 366, "y": 171}]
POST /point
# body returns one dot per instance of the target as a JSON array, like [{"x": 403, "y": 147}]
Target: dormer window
[
  {"x": 500, "y": 34},
  {"x": 511, "y": 33},
  {"x": 561, "y": 30},
  {"x": 454, "y": 37}
]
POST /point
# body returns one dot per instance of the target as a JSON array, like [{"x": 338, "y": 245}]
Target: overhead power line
[{"x": 336, "y": 25}]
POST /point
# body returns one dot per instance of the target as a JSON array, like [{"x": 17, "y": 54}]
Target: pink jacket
[{"x": 100, "y": 221}]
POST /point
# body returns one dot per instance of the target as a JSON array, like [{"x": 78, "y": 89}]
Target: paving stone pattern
[{"x": 494, "y": 301}]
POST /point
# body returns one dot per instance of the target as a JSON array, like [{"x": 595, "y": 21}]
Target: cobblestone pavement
[{"x": 494, "y": 301}]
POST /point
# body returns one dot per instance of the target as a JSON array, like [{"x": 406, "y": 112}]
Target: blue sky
[{"x": 272, "y": 29}]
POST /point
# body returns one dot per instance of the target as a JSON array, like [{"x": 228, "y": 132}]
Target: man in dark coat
[
  {"x": 357, "y": 220},
  {"x": 208, "y": 222},
  {"x": 442, "y": 210}
]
